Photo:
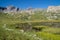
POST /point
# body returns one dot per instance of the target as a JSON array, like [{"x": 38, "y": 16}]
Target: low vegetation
[{"x": 29, "y": 27}]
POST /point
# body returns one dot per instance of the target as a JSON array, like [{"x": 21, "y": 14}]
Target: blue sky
[{"x": 30, "y": 3}]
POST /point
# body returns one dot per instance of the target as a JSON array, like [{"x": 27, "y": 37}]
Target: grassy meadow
[{"x": 38, "y": 26}]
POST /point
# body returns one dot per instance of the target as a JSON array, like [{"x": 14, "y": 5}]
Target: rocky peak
[
  {"x": 10, "y": 8},
  {"x": 54, "y": 9}
]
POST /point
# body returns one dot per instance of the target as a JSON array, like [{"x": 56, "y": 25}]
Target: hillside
[{"x": 23, "y": 26}]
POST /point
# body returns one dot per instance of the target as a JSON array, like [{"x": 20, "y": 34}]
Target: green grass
[
  {"x": 47, "y": 36},
  {"x": 52, "y": 30},
  {"x": 37, "y": 20}
]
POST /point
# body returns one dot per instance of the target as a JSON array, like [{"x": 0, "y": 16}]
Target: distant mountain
[
  {"x": 53, "y": 9},
  {"x": 2, "y": 9},
  {"x": 13, "y": 9},
  {"x": 30, "y": 10},
  {"x": 8, "y": 9}
]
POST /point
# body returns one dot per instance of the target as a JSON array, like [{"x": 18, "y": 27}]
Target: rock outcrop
[
  {"x": 53, "y": 9},
  {"x": 9, "y": 9}
]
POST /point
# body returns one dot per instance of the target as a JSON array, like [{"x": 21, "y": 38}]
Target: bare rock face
[
  {"x": 9, "y": 9},
  {"x": 53, "y": 9},
  {"x": 12, "y": 9}
]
